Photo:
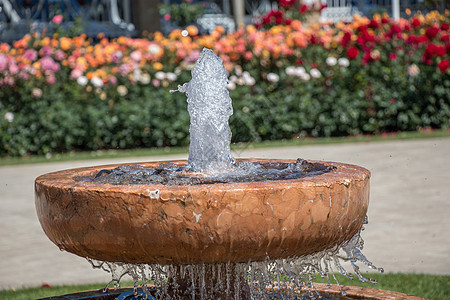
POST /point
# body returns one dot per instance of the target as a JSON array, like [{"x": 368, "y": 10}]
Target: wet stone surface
[{"x": 176, "y": 174}]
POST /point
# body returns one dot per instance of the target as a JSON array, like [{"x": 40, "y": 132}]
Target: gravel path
[{"x": 408, "y": 228}]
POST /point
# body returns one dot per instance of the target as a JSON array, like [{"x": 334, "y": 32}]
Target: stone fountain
[{"x": 212, "y": 227}]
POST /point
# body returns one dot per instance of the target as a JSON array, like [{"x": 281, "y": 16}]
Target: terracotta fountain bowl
[{"x": 207, "y": 223}]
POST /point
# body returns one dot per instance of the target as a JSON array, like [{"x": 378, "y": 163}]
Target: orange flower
[
  {"x": 157, "y": 66},
  {"x": 45, "y": 41},
  {"x": 65, "y": 43},
  {"x": 220, "y": 29},
  {"x": 4, "y": 48},
  {"x": 192, "y": 30},
  {"x": 251, "y": 29}
]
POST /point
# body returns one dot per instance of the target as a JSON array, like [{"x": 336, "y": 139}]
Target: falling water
[{"x": 270, "y": 279}]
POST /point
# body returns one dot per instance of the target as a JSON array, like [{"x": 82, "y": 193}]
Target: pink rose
[
  {"x": 31, "y": 54},
  {"x": 59, "y": 55},
  {"x": 156, "y": 82},
  {"x": 45, "y": 51},
  {"x": 76, "y": 73},
  {"x": 13, "y": 69},
  {"x": 136, "y": 55},
  {"x": 3, "y": 62},
  {"x": 57, "y": 19},
  {"x": 51, "y": 79}
]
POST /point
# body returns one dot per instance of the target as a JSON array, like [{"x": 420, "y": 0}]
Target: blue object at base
[{"x": 132, "y": 295}]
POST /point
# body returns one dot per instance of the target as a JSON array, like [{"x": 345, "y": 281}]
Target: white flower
[
  {"x": 137, "y": 75},
  {"x": 290, "y": 71},
  {"x": 231, "y": 85},
  {"x": 272, "y": 77},
  {"x": 315, "y": 73},
  {"x": 241, "y": 81},
  {"x": 238, "y": 70},
  {"x": 9, "y": 116},
  {"x": 122, "y": 90},
  {"x": 96, "y": 82},
  {"x": 246, "y": 74},
  {"x": 82, "y": 80},
  {"x": 233, "y": 78},
  {"x": 305, "y": 77},
  {"x": 160, "y": 75},
  {"x": 249, "y": 80},
  {"x": 171, "y": 76},
  {"x": 331, "y": 61},
  {"x": 413, "y": 70},
  {"x": 145, "y": 78},
  {"x": 154, "y": 49},
  {"x": 299, "y": 71},
  {"x": 344, "y": 62},
  {"x": 36, "y": 93}
]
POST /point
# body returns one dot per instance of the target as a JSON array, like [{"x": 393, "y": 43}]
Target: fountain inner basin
[{"x": 182, "y": 174}]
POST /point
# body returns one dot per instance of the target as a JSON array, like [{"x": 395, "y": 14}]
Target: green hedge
[{"x": 361, "y": 100}]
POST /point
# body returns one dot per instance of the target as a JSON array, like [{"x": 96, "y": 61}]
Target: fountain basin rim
[
  {"x": 64, "y": 177},
  {"x": 207, "y": 223}
]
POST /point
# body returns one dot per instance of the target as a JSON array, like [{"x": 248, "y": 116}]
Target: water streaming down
[
  {"x": 266, "y": 280},
  {"x": 210, "y": 107}
]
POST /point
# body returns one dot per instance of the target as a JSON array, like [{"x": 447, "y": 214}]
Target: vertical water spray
[{"x": 209, "y": 106}]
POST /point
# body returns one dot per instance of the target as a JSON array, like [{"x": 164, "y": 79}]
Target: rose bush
[{"x": 369, "y": 76}]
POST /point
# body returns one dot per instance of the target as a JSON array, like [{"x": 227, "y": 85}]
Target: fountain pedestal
[{"x": 209, "y": 283}]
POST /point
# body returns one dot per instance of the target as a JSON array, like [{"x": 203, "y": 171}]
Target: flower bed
[{"x": 372, "y": 75}]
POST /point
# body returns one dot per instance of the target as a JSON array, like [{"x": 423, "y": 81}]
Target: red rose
[
  {"x": 396, "y": 29},
  {"x": 443, "y": 65},
  {"x": 445, "y": 37},
  {"x": 303, "y": 8},
  {"x": 392, "y": 56},
  {"x": 431, "y": 32},
  {"x": 445, "y": 27},
  {"x": 352, "y": 52},
  {"x": 440, "y": 50},
  {"x": 287, "y": 3},
  {"x": 415, "y": 22},
  {"x": 346, "y": 38},
  {"x": 374, "y": 24},
  {"x": 433, "y": 49}
]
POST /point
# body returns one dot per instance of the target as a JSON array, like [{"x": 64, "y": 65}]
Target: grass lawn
[
  {"x": 237, "y": 147},
  {"x": 434, "y": 287}
]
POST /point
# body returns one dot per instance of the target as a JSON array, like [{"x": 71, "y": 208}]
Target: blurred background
[{"x": 115, "y": 18}]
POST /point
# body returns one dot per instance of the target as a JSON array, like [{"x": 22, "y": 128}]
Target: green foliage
[
  {"x": 343, "y": 101},
  {"x": 184, "y": 13}
]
